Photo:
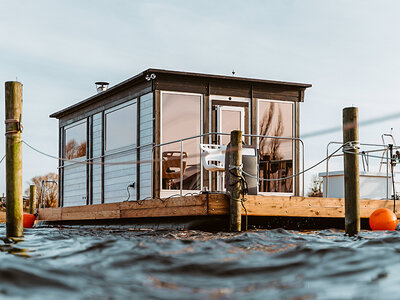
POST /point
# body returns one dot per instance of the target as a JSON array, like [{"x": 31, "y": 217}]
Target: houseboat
[{"x": 132, "y": 152}]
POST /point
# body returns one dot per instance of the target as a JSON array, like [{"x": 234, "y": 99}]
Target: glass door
[{"x": 229, "y": 118}]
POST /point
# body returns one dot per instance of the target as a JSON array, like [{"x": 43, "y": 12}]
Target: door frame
[{"x": 239, "y": 102}]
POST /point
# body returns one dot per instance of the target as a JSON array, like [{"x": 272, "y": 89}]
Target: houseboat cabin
[{"x": 140, "y": 139}]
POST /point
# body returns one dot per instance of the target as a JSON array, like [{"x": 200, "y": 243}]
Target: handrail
[
  {"x": 223, "y": 133},
  {"x": 370, "y": 151}
]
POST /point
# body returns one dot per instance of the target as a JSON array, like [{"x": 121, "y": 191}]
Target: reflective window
[
  {"x": 276, "y": 155},
  {"x": 121, "y": 127},
  {"x": 181, "y": 117},
  {"x": 231, "y": 118},
  {"x": 75, "y": 141}
]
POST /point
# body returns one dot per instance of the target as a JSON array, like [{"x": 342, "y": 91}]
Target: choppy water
[{"x": 119, "y": 263}]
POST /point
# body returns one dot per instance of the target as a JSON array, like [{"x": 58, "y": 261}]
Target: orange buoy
[
  {"x": 29, "y": 220},
  {"x": 383, "y": 219}
]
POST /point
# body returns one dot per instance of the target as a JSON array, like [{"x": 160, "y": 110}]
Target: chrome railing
[
  {"x": 228, "y": 134},
  {"x": 385, "y": 152}
]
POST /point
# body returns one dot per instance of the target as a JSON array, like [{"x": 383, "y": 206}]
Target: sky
[{"x": 348, "y": 50}]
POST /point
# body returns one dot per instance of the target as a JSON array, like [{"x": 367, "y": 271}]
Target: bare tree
[{"x": 46, "y": 184}]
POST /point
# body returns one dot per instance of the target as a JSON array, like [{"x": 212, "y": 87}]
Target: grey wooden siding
[
  {"x": 145, "y": 138},
  {"x": 74, "y": 184},
  {"x": 97, "y": 144},
  {"x": 118, "y": 177}
]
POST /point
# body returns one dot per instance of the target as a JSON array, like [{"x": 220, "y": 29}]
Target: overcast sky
[{"x": 348, "y": 50}]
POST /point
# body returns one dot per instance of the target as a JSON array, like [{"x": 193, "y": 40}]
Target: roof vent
[{"x": 101, "y": 86}]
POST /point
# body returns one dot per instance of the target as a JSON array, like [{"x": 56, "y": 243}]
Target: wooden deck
[{"x": 212, "y": 205}]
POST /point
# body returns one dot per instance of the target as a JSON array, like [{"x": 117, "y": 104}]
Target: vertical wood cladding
[
  {"x": 145, "y": 142},
  {"x": 96, "y": 148}
]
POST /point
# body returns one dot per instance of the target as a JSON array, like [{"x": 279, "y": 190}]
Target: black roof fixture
[{"x": 101, "y": 86}]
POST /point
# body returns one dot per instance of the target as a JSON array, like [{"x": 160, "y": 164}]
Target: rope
[
  {"x": 86, "y": 162},
  {"x": 244, "y": 187}
]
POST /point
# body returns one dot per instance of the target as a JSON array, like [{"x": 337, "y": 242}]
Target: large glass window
[
  {"x": 276, "y": 155},
  {"x": 75, "y": 140},
  {"x": 121, "y": 127},
  {"x": 181, "y": 118}
]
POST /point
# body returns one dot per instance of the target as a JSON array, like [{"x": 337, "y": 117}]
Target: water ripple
[{"x": 113, "y": 262}]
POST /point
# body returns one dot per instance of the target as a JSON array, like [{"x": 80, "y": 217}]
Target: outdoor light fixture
[
  {"x": 150, "y": 76},
  {"x": 101, "y": 86}
]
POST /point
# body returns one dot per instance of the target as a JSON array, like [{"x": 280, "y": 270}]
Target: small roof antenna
[{"x": 233, "y": 72}]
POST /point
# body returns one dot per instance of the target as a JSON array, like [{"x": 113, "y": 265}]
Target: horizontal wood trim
[
  {"x": 227, "y": 87},
  {"x": 179, "y": 206},
  {"x": 50, "y": 214},
  {"x": 230, "y": 103},
  {"x": 165, "y": 212},
  {"x": 297, "y": 206},
  {"x": 218, "y": 204}
]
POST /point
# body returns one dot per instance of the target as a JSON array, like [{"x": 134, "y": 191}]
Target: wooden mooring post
[
  {"x": 351, "y": 171},
  {"x": 235, "y": 186},
  {"x": 14, "y": 205},
  {"x": 32, "y": 199}
]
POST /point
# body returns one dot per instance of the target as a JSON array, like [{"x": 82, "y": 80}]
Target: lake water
[{"x": 120, "y": 263}]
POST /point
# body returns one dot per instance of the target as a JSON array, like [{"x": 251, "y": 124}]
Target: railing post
[
  {"x": 181, "y": 171},
  {"x": 235, "y": 186},
  {"x": 32, "y": 199},
  {"x": 14, "y": 206},
  {"x": 351, "y": 171}
]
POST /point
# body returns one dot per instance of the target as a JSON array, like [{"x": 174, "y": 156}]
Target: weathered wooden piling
[
  {"x": 235, "y": 186},
  {"x": 351, "y": 171},
  {"x": 13, "y": 112},
  {"x": 32, "y": 199}
]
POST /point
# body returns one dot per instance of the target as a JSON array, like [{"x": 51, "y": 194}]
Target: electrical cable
[{"x": 2, "y": 158}]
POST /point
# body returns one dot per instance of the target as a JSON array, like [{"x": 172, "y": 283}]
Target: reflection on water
[{"x": 120, "y": 263}]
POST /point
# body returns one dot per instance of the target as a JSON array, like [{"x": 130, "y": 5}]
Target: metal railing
[
  {"x": 222, "y": 133},
  {"x": 85, "y": 160},
  {"x": 384, "y": 150}
]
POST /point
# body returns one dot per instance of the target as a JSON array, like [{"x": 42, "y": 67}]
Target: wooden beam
[
  {"x": 296, "y": 206},
  {"x": 13, "y": 111},
  {"x": 217, "y": 205},
  {"x": 173, "y": 207}
]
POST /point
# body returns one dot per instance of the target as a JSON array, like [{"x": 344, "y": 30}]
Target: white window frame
[
  {"x": 164, "y": 192},
  {"x": 293, "y": 145},
  {"x": 72, "y": 125}
]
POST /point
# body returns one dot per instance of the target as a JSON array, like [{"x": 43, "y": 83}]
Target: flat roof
[{"x": 142, "y": 75}]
